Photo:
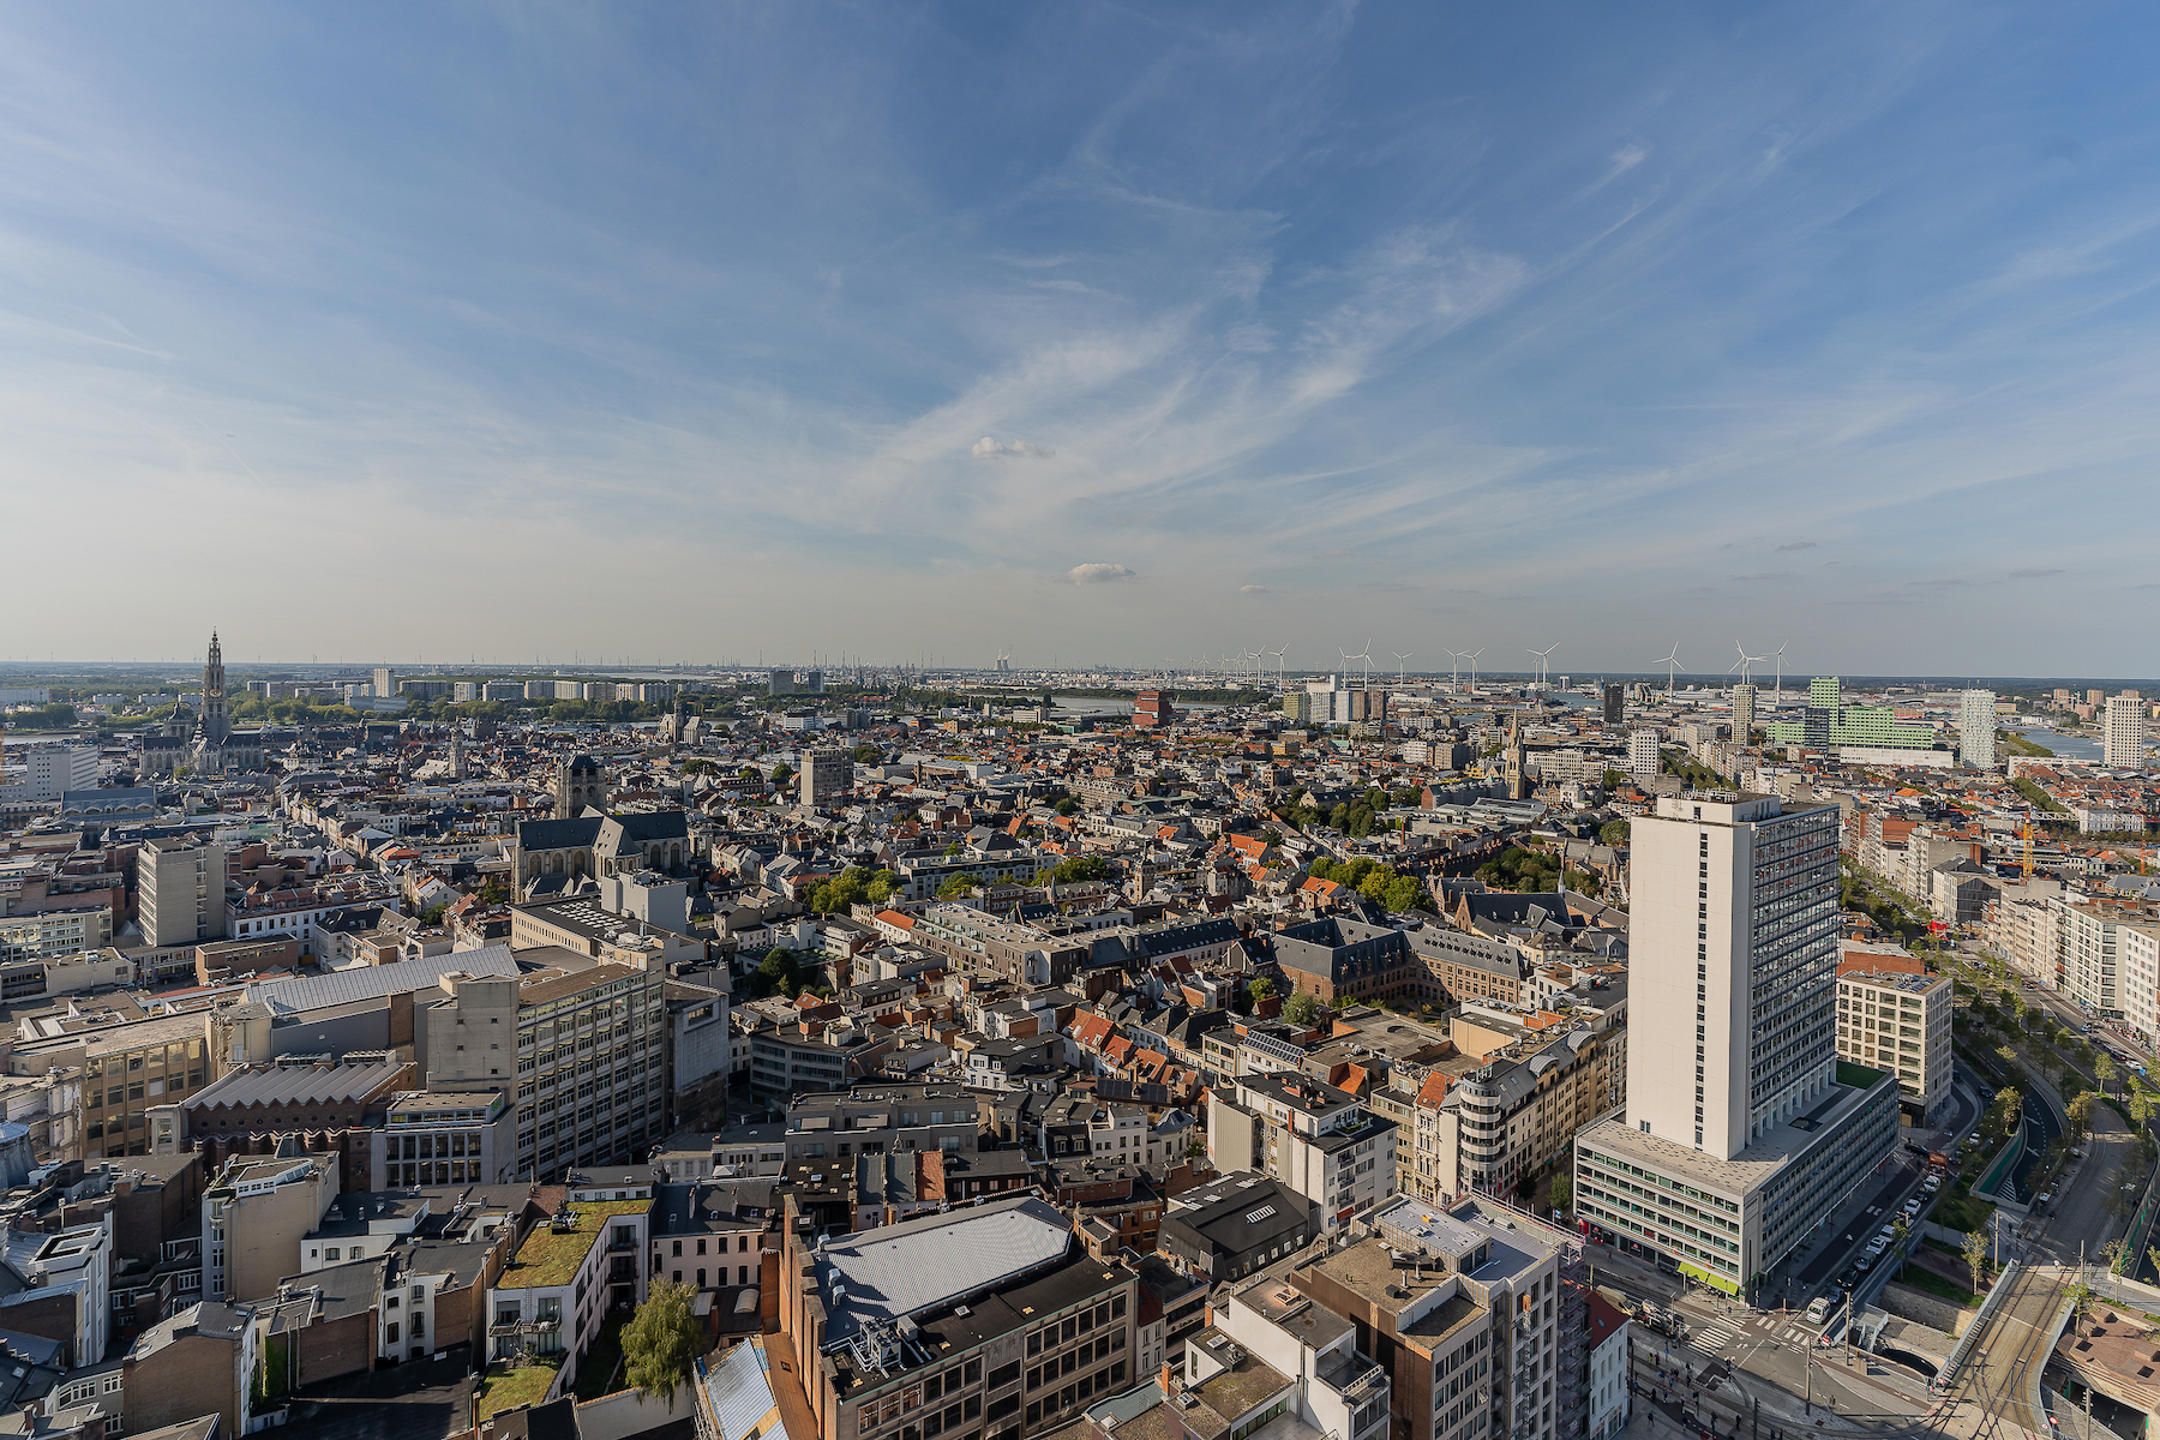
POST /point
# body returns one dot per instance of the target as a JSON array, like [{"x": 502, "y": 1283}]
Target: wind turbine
[
  {"x": 1365, "y": 657},
  {"x": 1671, "y": 662},
  {"x": 1454, "y": 675},
  {"x": 1278, "y": 652},
  {"x": 1745, "y": 664},
  {"x": 1543, "y": 658},
  {"x": 1777, "y": 693},
  {"x": 1254, "y": 657},
  {"x": 1472, "y": 656},
  {"x": 1400, "y": 657}
]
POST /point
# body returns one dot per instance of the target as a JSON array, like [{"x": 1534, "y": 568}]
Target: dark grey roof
[{"x": 573, "y": 834}]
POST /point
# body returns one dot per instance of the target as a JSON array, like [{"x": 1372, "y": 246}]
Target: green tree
[
  {"x": 778, "y": 973},
  {"x": 1613, "y": 832},
  {"x": 1301, "y": 1009},
  {"x": 1976, "y": 1257},
  {"x": 959, "y": 887},
  {"x": 881, "y": 887},
  {"x": 1404, "y": 892},
  {"x": 1262, "y": 988},
  {"x": 1322, "y": 868},
  {"x": 662, "y": 1342},
  {"x": 2104, "y": 1070},
  {"x": 868, "y": 754},
  {"x": 1563, "y": 1190},
  {"x": 2080, "y": 1113},
  {"x": 1066, "y": 805},
  {"x": 781, "y": 774}
]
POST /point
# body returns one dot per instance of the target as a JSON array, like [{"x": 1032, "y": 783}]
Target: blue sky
[{"x": 1123, "y": 333}]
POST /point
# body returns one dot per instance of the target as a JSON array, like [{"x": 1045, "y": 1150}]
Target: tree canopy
[
  {"x": 662, "y": 1342},
  {"x": 1301, "y": 1009}
]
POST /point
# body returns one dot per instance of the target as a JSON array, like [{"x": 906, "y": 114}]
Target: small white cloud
[
  {"x": 1626, "y": 158},
  {"x": 991, "y": 448},
  {"x": 1252, "y": 590},
  {"x": 1099, "y": 572}
]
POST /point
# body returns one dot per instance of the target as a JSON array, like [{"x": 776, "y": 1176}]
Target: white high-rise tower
[
  {"x": 1742, "y": 1129},
  {"x": 1976, "y": 729},
  {"x": 2122, "y": 738},
  {"x": 1733, "y": 970}
]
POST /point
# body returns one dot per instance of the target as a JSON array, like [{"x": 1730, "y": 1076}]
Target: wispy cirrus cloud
[{"x": 1263, "y": 296}]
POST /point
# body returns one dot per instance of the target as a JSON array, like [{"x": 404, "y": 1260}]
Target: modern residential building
[
  {"x": 1976, "y": 729},
  {"x": 2091, "y": 960},
  {"x": 553, "y": 1296},
  {"x": 1495, "y": 1121},
  {"x": 2122, "y": 734},
  {"x": 1741, "y": 1126},
  {"x": 1472, "y": 1312},
  {"x": 1894, "y": 1015},
  {"x": 180, "y": 891},
  {"x": 1644, "y": 759},
  {"x": 1323, "y": 1143}
]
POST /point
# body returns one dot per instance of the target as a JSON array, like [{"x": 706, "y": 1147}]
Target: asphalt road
[
  {"x": 2042, "y": 1130},
  {"x": 1897, "y": 1183}
]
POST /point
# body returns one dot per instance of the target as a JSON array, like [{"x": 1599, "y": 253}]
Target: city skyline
[{"x": 1086, "y": 334}]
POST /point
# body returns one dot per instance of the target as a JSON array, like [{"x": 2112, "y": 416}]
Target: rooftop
[
  {"x": 924, "y": 1264},
  {"x": 551, "y": 1254}
]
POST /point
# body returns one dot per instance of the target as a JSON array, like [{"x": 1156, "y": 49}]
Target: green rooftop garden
[
  {"x": 550, "y": 1256},
  {"x": 1857, "y": 1077},
  {"x": 526, "y": 1384}
]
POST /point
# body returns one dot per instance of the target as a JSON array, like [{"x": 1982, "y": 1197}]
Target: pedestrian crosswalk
[{"x": 1712, "y": 1336}]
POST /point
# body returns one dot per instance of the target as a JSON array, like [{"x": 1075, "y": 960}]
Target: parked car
[{"x": 1818, "y": 1310}]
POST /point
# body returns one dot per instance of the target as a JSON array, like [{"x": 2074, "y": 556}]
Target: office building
[
  {"x": 1828, "y": 723},
  {"x": 2122, "y": 739},
  {"x": 1615, "y": 703},
  {"x": 49, "y": 772},
  {"x": 1741, "y": 1126},
  {"x": 582, "y": 1047},
  {"x": 827, "y": 776},
  {"x": 1893, "y": 1015},
  {"x": 988, "y": 1321},
  {"x": 383, "y": 684},
  {"x": 1976, "y": 729},
  {"x": 1743, "y": 713},
  {"x": 180, "y": 892}
]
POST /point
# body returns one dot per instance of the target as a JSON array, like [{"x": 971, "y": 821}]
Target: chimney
[{"x": 1168, "y": 1387}]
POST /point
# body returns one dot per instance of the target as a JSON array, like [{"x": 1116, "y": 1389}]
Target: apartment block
[
  {"x": 1893, "y": 1015},
  {"x": 180, "y": 892},
  {"x": 574, "y": 1267},
  {"x": 1322, "y": 1143}
]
